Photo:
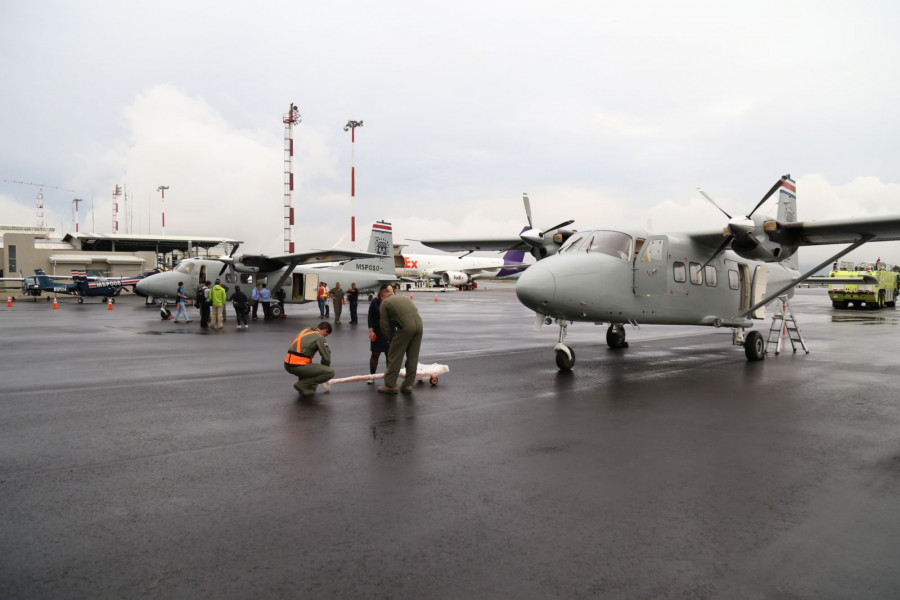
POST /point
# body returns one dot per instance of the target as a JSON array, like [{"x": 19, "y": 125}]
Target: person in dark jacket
[
  {"x": 352, "y": 301},
  {"x": 378, "y": 342},
  {"x": 239, "y": 300}
]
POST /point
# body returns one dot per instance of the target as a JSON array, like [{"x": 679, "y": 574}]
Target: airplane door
[
  {"x": 305, "y": 287},
  {"x": 650, "y": 267},
  {"x": 758, "y": 290}
]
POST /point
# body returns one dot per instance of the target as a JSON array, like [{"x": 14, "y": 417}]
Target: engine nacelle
[
  {"x": 455, "y": 278},
  {"x": 760, "y": 238}
]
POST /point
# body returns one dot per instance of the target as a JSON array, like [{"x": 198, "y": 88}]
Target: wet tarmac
[{"x": 141, "y": 458}]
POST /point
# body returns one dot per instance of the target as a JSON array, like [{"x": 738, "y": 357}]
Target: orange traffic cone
[
  {"x": 9, "y": 302},
  {"x": 109, "y": 304},
  {"x": 55, "y": 304},
  {"x": 435, "y": 298},
  {"x": 411, "y": 297},
  {"x": 345, "y": 302}
]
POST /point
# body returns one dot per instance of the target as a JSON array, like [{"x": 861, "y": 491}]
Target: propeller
[
  {"x": 740, "y": 229},
  {"x": 541, "y": 243},
  {"x": 229, "y": 260}
]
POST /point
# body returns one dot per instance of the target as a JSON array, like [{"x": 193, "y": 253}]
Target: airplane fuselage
[
  {"x": 636, "y": 277},
  {"x": 299, "y": 285}
]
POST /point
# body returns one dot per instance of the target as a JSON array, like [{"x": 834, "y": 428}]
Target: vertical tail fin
[
  {"x": 79, "y": 275},
  {"x": 381, "y": 242},
  {"x": 512, "y": 257},
  {"x": 787, "y": 212}
]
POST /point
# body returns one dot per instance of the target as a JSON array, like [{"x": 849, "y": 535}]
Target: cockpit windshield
[
  {"x": 613, "y": 243},
  {"x": 185, "y": 266}
]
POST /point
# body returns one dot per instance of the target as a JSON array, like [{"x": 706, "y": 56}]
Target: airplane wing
[
  {"x": 862, "y": 279},
  {"x": 498, "y": 244},
  {"x": 318, "y": 256},
  {"x": 478, "y": 270},
  {"x": 843, "y": 231},
  {"x": 267, "y": 264}
]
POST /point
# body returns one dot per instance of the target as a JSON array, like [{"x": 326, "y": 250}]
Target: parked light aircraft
[
  {"x": 369, "y": 270},
  {"x": 616, "y": 277},
  {"x": 458, "y": 271},
  {"x": 81, "y": 286}
]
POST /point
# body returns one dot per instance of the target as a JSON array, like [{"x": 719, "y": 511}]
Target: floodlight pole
[
  {"x": 163, "y": 189},
  {"x": 351, "y": 126}
]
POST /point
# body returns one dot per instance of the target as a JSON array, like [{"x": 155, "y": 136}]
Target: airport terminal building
[{"x": 24, "y": 249}]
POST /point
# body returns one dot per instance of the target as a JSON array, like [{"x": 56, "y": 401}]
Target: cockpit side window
[
  {"x": 573, "y": 243},
  {"x": 185, "y": 267}
]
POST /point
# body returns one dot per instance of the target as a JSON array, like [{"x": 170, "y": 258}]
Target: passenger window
[
  {"x": 712, "y": 276},
  {"x": 678, "y": 272},
  {"x": 733, "y": 280},
  {"x": 696, "y": 276}
]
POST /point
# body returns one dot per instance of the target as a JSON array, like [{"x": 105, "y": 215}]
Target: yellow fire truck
[{"x": 874, "y": 285}]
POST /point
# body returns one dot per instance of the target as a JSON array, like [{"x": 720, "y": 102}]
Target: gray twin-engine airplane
[
  {"x": 697, "y": 278},
  {"x": 369, "y": 270}
]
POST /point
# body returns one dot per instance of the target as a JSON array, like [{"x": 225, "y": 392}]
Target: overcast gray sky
[{"x": 608, "y": 113}]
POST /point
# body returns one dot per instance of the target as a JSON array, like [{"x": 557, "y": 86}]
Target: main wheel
[
  {"x": 755, "y": 346},
  {"x": 615, "y": 336},
  {"x": 276, "y": 311},
  {"x": 564, "y": 361},
  {"x": 80, "y": 300}
]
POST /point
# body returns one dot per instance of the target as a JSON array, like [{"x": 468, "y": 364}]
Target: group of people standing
[
  {"x": 337, "y": 296},
  {"x": 395, "y": 329},
  {"x": 212, "y": 298}
]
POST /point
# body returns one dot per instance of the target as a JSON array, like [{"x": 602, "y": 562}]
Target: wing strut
[{"x": 808, "y": 274}]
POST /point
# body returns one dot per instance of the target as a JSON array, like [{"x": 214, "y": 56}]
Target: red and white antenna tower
[
  {"x": 351, "y": 126},
  {"x": 290, "y": 119},
  {"x": 115, "y": 208},
  {"x": 40, "y": 224},
  {"x": 75, "y": 202}
]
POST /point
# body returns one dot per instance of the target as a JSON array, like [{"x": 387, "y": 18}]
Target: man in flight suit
[
  {"x": 298, "y": 361},
  {"x": 402, "y": 325}
]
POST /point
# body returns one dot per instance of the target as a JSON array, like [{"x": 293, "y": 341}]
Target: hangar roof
[{"x": 131, "y": 242}]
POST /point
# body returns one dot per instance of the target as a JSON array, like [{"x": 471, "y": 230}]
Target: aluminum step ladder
[{"x": 784, "y": 325}]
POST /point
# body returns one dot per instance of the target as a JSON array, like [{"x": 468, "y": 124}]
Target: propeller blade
[
  {"x": 560, "y": 226},
  {"x": 713, "y": 202},
  {"x": 527, "y": 203},
  {"x": 768, "y": 194},
  {"x": 224, "y": 266},
  {"x": 719, "y": 250}
]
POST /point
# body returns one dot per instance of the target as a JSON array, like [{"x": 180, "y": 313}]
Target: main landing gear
[
  {"x": 565, "y": 356},
  {"x": 754, "y": 343}
]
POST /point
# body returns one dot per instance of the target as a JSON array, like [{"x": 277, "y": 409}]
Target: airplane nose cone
[
  {"x": 536, "y": 287},
  {"x": 141, "y": 286}
]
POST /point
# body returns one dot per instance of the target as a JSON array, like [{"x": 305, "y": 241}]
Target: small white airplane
[
  {"x": 616, "y": 277},
  {"x": 369, "y": 270},
  {"x": 457, "y": 271}
]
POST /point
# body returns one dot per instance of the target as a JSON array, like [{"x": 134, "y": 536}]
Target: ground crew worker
[
  {"x": 298, "y": 360},
  {"x": 217, "y": 297},
  {"x": 337, "y": 298},
  {"x": 322, "y": 299},
  {"x": 402, "y": 326}
]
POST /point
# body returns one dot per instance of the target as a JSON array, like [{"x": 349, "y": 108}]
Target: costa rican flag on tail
[
  {"x": 77, "y": 273},
  {"x": 788, "y": 186},
  {"x": 381, "y": 227}
]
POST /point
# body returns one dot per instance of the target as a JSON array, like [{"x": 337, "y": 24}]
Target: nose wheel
[{"x": 565, "y": 356}]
